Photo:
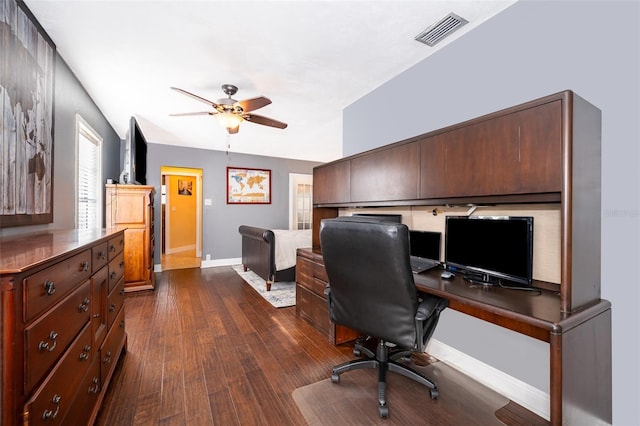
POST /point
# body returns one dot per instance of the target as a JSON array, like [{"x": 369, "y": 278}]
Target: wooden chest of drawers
[
  {"x": 311, "y": 302},
  {"x": 62, "y": 298}
]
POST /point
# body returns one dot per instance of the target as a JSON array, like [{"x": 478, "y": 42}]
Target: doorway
[
  {"x": 181, "y": 217},
  {"x": 300, "y": 200}
]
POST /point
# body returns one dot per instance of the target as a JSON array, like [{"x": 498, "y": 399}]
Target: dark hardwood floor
[{"x": 205, "y": 349}]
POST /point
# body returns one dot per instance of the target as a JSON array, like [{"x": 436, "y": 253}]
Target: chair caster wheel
[
  {"x": 335, "y": 378},
  {"x": 383, "y": 411},
  {"x": 434, "y": 393},
  {"x": 356, "y": 352}
]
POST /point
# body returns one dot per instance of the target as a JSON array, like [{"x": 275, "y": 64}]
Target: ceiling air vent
[{"x": 440, "y": 30}]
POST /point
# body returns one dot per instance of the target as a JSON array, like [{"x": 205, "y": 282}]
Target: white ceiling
[{"x": 311, "y": 58}]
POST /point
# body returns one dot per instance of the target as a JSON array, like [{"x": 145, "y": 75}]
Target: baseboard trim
[
  {"x": 531, "y": 398},
  {"x": 208, "y": 263},
  {"x": 220, "y": 262},
  {"x": 175, "y": 250}
]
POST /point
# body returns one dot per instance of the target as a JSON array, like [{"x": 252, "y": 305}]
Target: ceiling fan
[{"x": 230, "y": 113}]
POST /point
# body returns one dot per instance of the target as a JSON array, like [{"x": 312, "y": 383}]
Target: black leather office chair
[{"x": 371, "y": 290}]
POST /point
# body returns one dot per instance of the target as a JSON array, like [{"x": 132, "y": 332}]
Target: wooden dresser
[
  {"x": 311, "y": 302},
  {"x": 131, "y": 207},
  {"x": 62, "y": 301}
]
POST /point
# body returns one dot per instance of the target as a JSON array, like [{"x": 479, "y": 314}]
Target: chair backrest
[{"x": 372, "y": 287}]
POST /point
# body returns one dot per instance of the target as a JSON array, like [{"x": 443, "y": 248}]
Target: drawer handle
[
  {"x": 112, "y": 248},
  {"x": 102, "y": 255},
  {"x": 122, "y": 292},
  {"x": 113, "y": 275},
  {"x": 122, "y": 324},
  {"x": 84, "y": 266},
  {"x": 112, "y": 307},
  {"x": 49, "y": 287},
  {"x": 85, "y": 353},
  {"x": 44, "y": 346},
  {"x": 84, "y": 306},
  {"x": 107, "y": 358},
  {"x": 122, "y": 264},
  {"x": 95, "y": 389},
  {"x": 50, "y": 414}
]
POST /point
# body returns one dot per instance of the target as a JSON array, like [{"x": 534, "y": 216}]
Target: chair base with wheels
[{"x": 384, "y": 359}]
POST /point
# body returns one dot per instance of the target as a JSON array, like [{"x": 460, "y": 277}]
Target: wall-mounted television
[
  {"x": 134, "y": 154},
  {"x": 491, "y": 249}
]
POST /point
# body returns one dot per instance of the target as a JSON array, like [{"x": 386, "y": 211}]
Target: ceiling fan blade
[
  {"x": 266, "y": 121},
  {"x": 254, "y": 103},
  {"x": 179, "y": 114},
  {"x": 200, "y": 98}
]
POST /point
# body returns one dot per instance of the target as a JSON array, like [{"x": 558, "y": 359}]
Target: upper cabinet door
[
  {"x": 518, "y": 153},
  {"x": 388, "y": 175},
  {"x": 540, "y": 149},
  {"x": 331, "y": 183}
]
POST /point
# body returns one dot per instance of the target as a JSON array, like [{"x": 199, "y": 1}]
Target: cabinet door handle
[
  {"x": 49, "y": 287},
  {"x": 102, "y": 255},
  {"x": 112, "y": 307},
  {"x": 84, "y": 266},
  {"x": 113, "y": 275},
  {"x": 107, "y": 358}
]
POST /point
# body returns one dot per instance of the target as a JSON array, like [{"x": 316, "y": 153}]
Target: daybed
[{"x": 272, "y": 253}]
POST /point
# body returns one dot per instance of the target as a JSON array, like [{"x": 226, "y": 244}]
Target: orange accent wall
[{"x": 182, "y": 209}]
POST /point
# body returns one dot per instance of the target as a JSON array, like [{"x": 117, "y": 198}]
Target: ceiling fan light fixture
[{"x": 228, "y": 120}]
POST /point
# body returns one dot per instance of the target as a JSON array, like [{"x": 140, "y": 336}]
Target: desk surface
[{"x": 536, "y": 314}]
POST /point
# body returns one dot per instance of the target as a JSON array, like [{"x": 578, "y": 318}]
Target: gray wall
[
  {"x": 71, "y": 98},
  {"x": 532, "y": 49},
  {"x": 220, "y": 221}
]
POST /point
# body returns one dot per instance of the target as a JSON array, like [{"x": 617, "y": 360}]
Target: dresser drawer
[
  {"x": 52, "y": 401},
  {"x": 48, "y": 337},
  {"x": 43, "y": 289},
  {"x": 116, "y": 245},
  {"x": 320, "y": 272},
  {"x": 99, "y": 255},
  {"x": 86, "y": 396},
  {"x": 115, "y": 301},
  {"x": 116, "y": 270},
  {"x": 112, "y": 347},
  {"x": 304, "y": 271}
]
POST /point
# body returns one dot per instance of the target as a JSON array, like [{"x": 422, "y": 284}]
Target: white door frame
[
  {"x": 197, "y": 174},
  {"x": 294, "y": 180}
]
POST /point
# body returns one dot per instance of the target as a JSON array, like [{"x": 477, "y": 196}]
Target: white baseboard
[
  {"x": 220, "y": 262},
  {"x": 531, "y": 398},
  {"x": 208, "y": 263},
  {"x": 175, "y": 250}
]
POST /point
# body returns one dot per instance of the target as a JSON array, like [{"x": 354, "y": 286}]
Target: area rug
[
  {"x": 282, "y": 294},
  {"x": 354, "y": 400}
]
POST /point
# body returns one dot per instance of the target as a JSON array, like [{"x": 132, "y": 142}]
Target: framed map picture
[{"x": 248, "y": 186}]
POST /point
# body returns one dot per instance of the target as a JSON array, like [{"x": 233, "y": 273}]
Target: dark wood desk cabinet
[
  {"x": 62, "y": 298},
  {"x": 311, "y": 302},
  {"x": 543, "y": 151}
]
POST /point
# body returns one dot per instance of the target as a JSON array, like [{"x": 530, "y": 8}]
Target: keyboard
[{"x": 420, "y": 264}]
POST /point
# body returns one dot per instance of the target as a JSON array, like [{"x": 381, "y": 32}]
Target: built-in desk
[{"x": 580, "y": 342}]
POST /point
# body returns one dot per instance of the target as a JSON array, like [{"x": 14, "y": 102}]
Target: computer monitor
[
  {"x": 491, "y": 249},
  {"x": 425, "y": 244}
]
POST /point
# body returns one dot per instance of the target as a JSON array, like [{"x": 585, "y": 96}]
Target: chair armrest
[{"x": 429, "y": 306}]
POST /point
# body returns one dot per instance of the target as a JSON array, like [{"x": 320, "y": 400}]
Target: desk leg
[{"x": 580, "y": 372}]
